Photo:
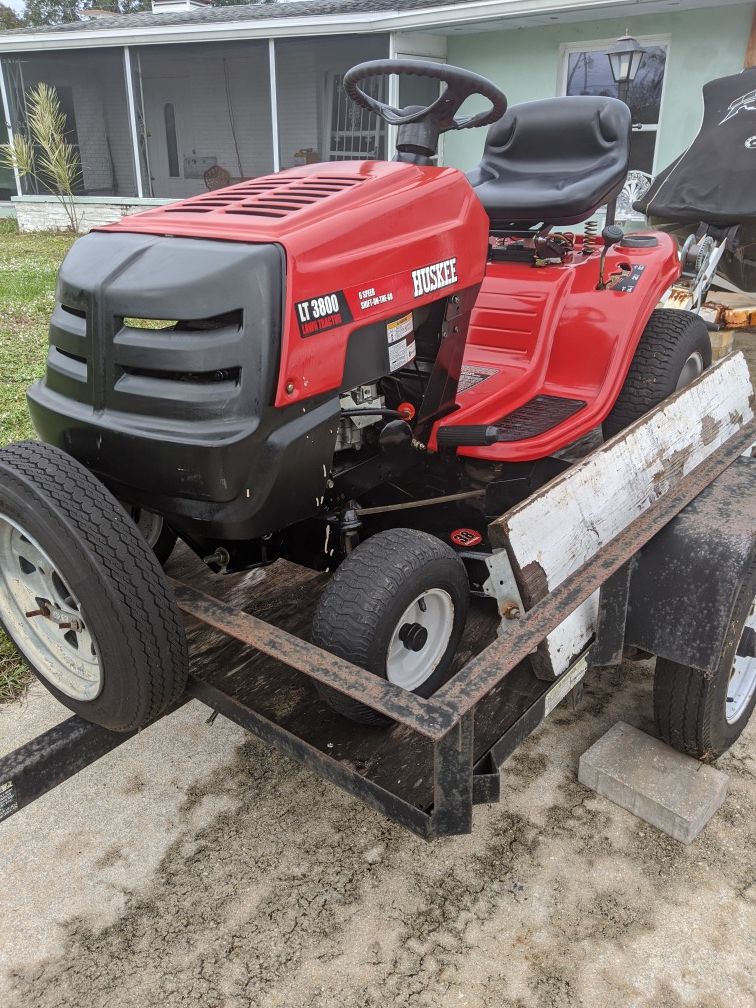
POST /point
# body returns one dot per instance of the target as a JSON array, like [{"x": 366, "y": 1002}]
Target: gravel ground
[{"x": 194, "y": 868}]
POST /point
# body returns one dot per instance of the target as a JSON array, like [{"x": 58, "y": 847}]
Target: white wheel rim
[
  {"x": 420, "y": 639},
  {"x": 692, "y": 368},
  {"x": 29, "y": 581},
  {"x": 742, "y": 682}
]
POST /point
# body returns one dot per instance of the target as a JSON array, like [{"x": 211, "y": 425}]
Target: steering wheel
[{"x": 460, "y": 85}]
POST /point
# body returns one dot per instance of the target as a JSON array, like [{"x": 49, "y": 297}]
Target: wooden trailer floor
[{"x": 286, "y": 595}]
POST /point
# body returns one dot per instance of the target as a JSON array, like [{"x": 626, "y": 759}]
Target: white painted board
[{"x": 553, "y": 533}]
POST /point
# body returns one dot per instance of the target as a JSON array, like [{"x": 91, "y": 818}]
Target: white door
[{"x": 169, "y": 135}]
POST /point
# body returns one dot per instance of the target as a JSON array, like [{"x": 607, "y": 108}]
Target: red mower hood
[{"x": 364, "y": 241}]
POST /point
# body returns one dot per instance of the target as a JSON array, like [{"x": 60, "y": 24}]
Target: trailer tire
[
  {"x": 699, "y": 713},
  {"x": 364, "y": 609},
  {"x": 67, "y": 542},
  {"x": 674, "y": 348}
]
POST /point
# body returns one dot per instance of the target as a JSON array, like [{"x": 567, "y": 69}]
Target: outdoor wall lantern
[{"x": 625, "y": 58}]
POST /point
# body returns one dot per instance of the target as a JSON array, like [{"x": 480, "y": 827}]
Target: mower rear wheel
[
  {"x": 397, "y": 607},
  {"x": 674, "y": 349},
  {"x": 82, "y": 596}
]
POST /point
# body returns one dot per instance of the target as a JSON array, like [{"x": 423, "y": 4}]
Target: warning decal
[
  {"x": 470, "y": 376},
  {"x": 8, "y": 802},
  {"x": 319, "y": 314},
  {"x": 401, "y": 341}
]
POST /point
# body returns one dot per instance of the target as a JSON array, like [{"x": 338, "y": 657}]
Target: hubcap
[
  {"x": 742, "y": 682},
  {"x": 420, "y": 639},
  {"x": 692, "y": 368},
  {"x": 44, "y": 616}
]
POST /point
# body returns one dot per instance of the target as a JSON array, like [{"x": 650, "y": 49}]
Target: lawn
[{"x": 28, "y": 267}]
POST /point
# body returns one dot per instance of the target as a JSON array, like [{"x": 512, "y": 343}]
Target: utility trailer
[{"x": 647, "y": 545}]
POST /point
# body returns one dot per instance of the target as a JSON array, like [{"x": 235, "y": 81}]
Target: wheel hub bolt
[{"x": 413, "y": 636}]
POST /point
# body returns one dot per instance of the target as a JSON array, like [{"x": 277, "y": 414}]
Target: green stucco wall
[{"x": 525, "y": 63}]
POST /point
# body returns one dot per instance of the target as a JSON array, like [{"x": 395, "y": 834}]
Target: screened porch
[{"x": 168, "y": 121}]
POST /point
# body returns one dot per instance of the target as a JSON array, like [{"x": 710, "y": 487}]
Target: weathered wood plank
[{"x": 549, "y": 536}]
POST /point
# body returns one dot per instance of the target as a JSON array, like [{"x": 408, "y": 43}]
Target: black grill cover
[{"x": 714, "y": 181}]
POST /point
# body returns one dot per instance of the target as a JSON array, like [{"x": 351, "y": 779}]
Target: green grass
[{"x": 28, "y": 268}]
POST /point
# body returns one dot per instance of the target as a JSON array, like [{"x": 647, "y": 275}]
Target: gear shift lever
[{"x": 610, "y": 235}]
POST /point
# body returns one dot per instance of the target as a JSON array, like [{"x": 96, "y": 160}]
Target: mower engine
[{"x": 356, "y": 416}]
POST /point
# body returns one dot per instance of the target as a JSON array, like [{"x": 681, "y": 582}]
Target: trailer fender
[{"x": 684, "y": 582}]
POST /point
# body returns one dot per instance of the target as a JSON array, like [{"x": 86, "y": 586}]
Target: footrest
[{"x": 469, "y": 436}]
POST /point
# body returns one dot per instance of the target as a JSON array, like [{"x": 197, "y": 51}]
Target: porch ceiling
[{"x": 329, "y": 17}]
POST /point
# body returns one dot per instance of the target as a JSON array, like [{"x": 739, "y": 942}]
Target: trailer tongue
[{"x": 618, "y": 551}]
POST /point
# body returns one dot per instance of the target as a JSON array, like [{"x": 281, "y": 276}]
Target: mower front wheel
[
  {"x": 397, "y": 607},
  {"x": 82, "y": 596},
  {"x": 160, "y": 537}
]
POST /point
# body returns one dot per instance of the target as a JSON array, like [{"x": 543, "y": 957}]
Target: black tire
[
  {"x": 671, "y": 338},
  {"x": 690, "y": 705},
  {"x": 162, "y": 539},
  {"x": 124, "y": 599},
  {"x": 364, "y": 601}
]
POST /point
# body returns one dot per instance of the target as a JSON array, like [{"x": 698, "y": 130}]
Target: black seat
[{"x": 554, "y": 161}]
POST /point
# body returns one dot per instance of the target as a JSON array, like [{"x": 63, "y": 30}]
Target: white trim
[
  {"x": 274, "y": 103},
  {"x": 600, "y": 45},
  {"x": 8, "y": 122},
  {"x": 344, "y": 23},
  {"x": 132, "y": 120},
  {"x": 125, "y": 201}
]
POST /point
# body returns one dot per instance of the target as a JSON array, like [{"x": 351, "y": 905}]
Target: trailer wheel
[
  {"x": 703, "y": 714},
  {"x": 82, "y": 595},
  {"x": 674, "y": 349},
  {"x": 397, "y": 607}
]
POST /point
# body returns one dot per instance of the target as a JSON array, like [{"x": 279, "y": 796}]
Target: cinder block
[
  {"x": 721, "y": 343},
  {"x": 675, "y": 793}
]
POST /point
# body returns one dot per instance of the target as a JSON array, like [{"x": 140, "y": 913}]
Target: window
[
  {"x": 586, "y": 71},
  {"x": 170, "y": 140}
]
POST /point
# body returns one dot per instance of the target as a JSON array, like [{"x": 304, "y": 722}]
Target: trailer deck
[{"x": 443, "y": 754}]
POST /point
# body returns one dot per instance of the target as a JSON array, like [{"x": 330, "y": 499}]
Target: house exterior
[{"x": 189, "y": 97}]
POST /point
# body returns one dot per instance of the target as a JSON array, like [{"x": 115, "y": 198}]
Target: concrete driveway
[{"x": 194, "y": 867}]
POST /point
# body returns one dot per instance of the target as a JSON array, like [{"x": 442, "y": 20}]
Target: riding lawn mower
[{"x": 354, "y": 366}]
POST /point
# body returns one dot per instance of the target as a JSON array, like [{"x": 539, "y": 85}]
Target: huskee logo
[{"x": 432, "y": 278}]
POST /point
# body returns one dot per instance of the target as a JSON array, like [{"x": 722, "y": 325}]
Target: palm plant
[{"x": 43, "y": 153}]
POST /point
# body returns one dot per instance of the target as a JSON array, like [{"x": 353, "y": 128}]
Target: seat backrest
[{"x": 568, "y": 155}]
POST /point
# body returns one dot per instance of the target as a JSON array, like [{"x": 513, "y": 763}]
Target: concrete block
[
  {"x": 675, "y": 793},
  {"x": 721, "y": 343}
]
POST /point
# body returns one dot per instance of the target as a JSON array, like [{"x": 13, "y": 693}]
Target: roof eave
[{"x": 442, "y": 16}]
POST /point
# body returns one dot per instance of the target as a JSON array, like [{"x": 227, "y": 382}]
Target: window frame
[{"x": 601, "y": 45}]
